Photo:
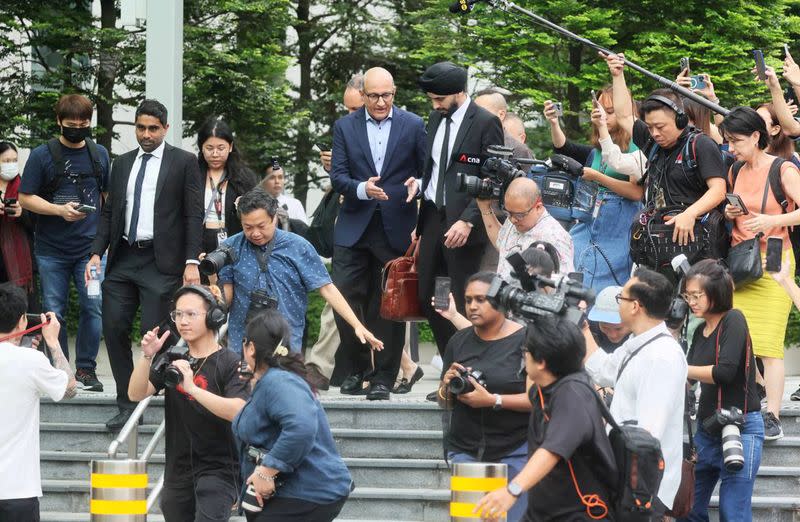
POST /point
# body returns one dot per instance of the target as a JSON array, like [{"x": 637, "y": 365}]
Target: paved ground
[{"x": 427, "y": 384}]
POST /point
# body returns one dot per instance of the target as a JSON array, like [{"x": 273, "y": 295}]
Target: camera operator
[
  {"x": 25, "y": 374},
  {"x": 566, "y": 436},
  {"x": 290, "y": 461},
  {"x": 489, "y": 420},
  {"x": 528, "y": 221},
  {"x": 203, "y": 392},
  {"x": 279, "y": 269},
  {"x": 721, "y": 359},
  {"x": 697, "y": 184},
  {"x": 648, "y": 373}
]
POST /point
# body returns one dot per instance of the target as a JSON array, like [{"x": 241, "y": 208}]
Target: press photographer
[
  {"x": 25, "y": 375},
  {"x": 203, "y": 392},
  {"x": 264, "y": 267},
  {"x": 730, "y": 431},
  {"x": 481, "y": 382}
]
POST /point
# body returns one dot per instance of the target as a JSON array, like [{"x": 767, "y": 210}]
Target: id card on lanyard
[{"x": 216, "y": 202}]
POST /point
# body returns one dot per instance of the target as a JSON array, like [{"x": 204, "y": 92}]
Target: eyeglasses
[
  {"x": 178, "y": 315},
  {"x": 373, "y": 97},
  {"x": 518, "y": 216},
  {"x": 689, "y": 298},
  {"x": 222, "y": 149},
  {"x": 620, "y": 297}
]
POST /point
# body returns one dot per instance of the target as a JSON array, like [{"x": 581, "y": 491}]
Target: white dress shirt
[
  {"x": 378, "y": 138},
  {"x": 652, "y": 392},
  {"x": 147, "y": 203},
  {"x": 436, "y": 149}
]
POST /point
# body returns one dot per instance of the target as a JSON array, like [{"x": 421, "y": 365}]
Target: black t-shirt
[
  {"x": 667, "y": 173},
  {"x": 577, "y": 151},
  {"x": 729, "y": 371},
  {"x": 197, "y": 441},
  {"x": 484, "y": 433},
  {"x": 574, "y": 432}
]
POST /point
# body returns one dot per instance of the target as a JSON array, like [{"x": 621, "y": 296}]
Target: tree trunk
[
  {"x": 106, "y": 75},
  {"x": 572, "y": 121},
  {"x": 303, "y": 144}
]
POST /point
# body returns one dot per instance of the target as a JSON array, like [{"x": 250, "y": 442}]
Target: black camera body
[
  {"x": 164, "y": 369},
  {"x": 260, "y": 300},
  {"x": 213, "y": 262},
  {"x": 714, "y": 423},
  {"x": 565, "y": 195},
  {"x": 461, "y": 384},
  {"x": 497, "y": 172}
]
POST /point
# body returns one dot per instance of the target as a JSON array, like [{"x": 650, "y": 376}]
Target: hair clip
[{"x": 281, "y": 350}]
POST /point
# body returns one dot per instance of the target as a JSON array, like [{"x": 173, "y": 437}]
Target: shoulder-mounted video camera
[
  {"x": 565, "y": 195},
  {"x": 497, "y": 172}
]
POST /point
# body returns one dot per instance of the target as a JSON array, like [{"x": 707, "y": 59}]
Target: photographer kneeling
[
  {"x": 482, "y": 382},
  {"x": 293, "y": 469},
  {"x": 203, "y": 393},
  {"x": 721, "y": 358}
]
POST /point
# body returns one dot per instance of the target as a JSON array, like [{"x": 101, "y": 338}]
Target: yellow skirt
[{"x": 766, "y": 306}]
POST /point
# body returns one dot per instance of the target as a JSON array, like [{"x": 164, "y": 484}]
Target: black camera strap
[
  {"x": 746, "y": 367},
  {"x": 262, "y": 255},
  {"x": 634, "y": 354}
]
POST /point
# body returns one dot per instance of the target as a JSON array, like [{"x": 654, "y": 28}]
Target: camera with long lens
[
  {"x": 678, "y": 311},
  {"x": 260, "y": 300},
  {"x": 727, "y": 424},
  {"x": 249, "y": 500},
  {"x": 565, "y": 195},
  {"x": 461, "y": 384},
  {"x": 531, "y": 302},
  {"x": 165, "y": 371},
  {"x": 213, "y": 262},
  {"x": 497, "y": 172}
]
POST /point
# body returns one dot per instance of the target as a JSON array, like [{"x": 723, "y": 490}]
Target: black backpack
[
  {"x": 320, "y": 231},
  {"x": 54, "y": 147},
  {"x": 776, "y": 186}
]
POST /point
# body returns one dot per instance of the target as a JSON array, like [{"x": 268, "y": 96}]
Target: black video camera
[
  {"x": 565, "y": 195},
  {"x": 260, "y": 300},
  {"x": 165, "y": 371},
  {"x": 213, "y": 262},
  {"x": 497, "y": 172},
  {"x": 461, "y": 384}
]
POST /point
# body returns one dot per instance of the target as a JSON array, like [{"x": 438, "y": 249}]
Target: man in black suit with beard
[
  {"x": 452, "y": 235},
  {"x": 152, "y": 226}
]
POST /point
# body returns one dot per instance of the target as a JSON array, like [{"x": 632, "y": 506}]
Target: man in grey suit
[{"x": 152, "y": 226}]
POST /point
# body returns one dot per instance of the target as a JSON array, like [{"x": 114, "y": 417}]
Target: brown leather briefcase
[{"x": 400, "y": 283}]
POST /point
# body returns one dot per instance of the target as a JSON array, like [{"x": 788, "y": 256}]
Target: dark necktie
[
  {"x": 445, "y": 156},
  {"x": 137, "y": 199}
]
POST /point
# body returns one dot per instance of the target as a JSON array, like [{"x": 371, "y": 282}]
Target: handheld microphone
[
  {"x": 462, "y": 6},
  {"x": 680, "y": 264}
]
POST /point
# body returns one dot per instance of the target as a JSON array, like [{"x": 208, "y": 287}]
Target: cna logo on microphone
[{"x": 469, "y": 159}]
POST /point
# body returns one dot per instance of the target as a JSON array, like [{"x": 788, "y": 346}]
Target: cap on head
[
  {"x": 606, "y": 308},
  {"x": 443, "y": 79}
]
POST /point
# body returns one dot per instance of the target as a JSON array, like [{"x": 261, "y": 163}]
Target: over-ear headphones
[
  {"x": 216, "y": 315},
  {"x": 681, "y": 119}
]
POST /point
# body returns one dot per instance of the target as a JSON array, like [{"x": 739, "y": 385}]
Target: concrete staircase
[{"x": 393, "y": 450}]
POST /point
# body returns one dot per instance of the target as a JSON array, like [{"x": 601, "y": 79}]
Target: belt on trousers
[{"x": 144, "y": 243}]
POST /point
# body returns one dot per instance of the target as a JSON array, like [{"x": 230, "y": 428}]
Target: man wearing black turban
[{"x": 450, "y": 225}]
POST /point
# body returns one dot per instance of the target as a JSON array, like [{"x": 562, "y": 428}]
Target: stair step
[
  {"x": 765, "y": 509},
  {"x": 781, "y": 452},
  {"x": 393, "y": 444}
]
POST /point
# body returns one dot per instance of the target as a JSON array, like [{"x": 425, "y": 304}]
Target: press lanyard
[{"x": 216, "y": 196}]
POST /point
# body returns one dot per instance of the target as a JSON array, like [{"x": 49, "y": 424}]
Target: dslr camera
[
  {"x": 249, "y": 500},
  {"x": 213, "y": 262},
  {"x": 497, "y": 172},
  {"x": 260, "y": 300},
  {"x": 531, "y": 302},
  {"x": 727, "y": 424},
  {"x": 164, "y": 369},
  {"x": 461, "y": 384}
]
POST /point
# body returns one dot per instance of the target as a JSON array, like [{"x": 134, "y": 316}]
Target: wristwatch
[
  {"x": 498, "y": 402},
  {"x": 514, "y": 489}
]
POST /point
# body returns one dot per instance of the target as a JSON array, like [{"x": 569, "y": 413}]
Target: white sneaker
[{"x": 436, "y": 362}]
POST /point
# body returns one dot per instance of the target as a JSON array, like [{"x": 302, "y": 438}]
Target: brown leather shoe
[{"x": 316, "y": 378}]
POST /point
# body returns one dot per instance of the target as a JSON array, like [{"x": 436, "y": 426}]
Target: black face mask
[{"x": 76, "y": 134}]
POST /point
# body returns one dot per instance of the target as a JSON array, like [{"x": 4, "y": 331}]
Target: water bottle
[{"x": 93, "y": 288}]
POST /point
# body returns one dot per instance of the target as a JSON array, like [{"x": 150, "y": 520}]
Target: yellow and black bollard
[
  {"x": 118, "y": 491},
  {"x": 469, "y": 483}
]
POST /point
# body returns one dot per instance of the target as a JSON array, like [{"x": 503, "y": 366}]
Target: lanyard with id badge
[{"x": 216, "y": 202}]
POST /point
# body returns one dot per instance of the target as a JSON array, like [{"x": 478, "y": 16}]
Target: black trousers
[
  {"x": 435, "y": 260},
  {"x": 357, "y": 275},
  {"x": 278, "y": 509},
  {"x": 19, "y": 510},
  {"x": 209, "y": 498},
  {"x": 133, "y": 280}
]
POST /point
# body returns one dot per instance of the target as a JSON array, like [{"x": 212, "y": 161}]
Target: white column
[{"x": 164, "y": 80}]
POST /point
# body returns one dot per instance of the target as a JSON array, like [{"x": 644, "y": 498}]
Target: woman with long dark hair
[
  {"x": 300, "y": 475},
  {"x": 16, "y": 264},
  {"x": 780, "y": 144},
  {"x": 226, "y": 178}
]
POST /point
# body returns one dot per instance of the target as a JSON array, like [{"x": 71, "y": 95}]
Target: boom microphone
[{"x": 462, "y": 6}]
